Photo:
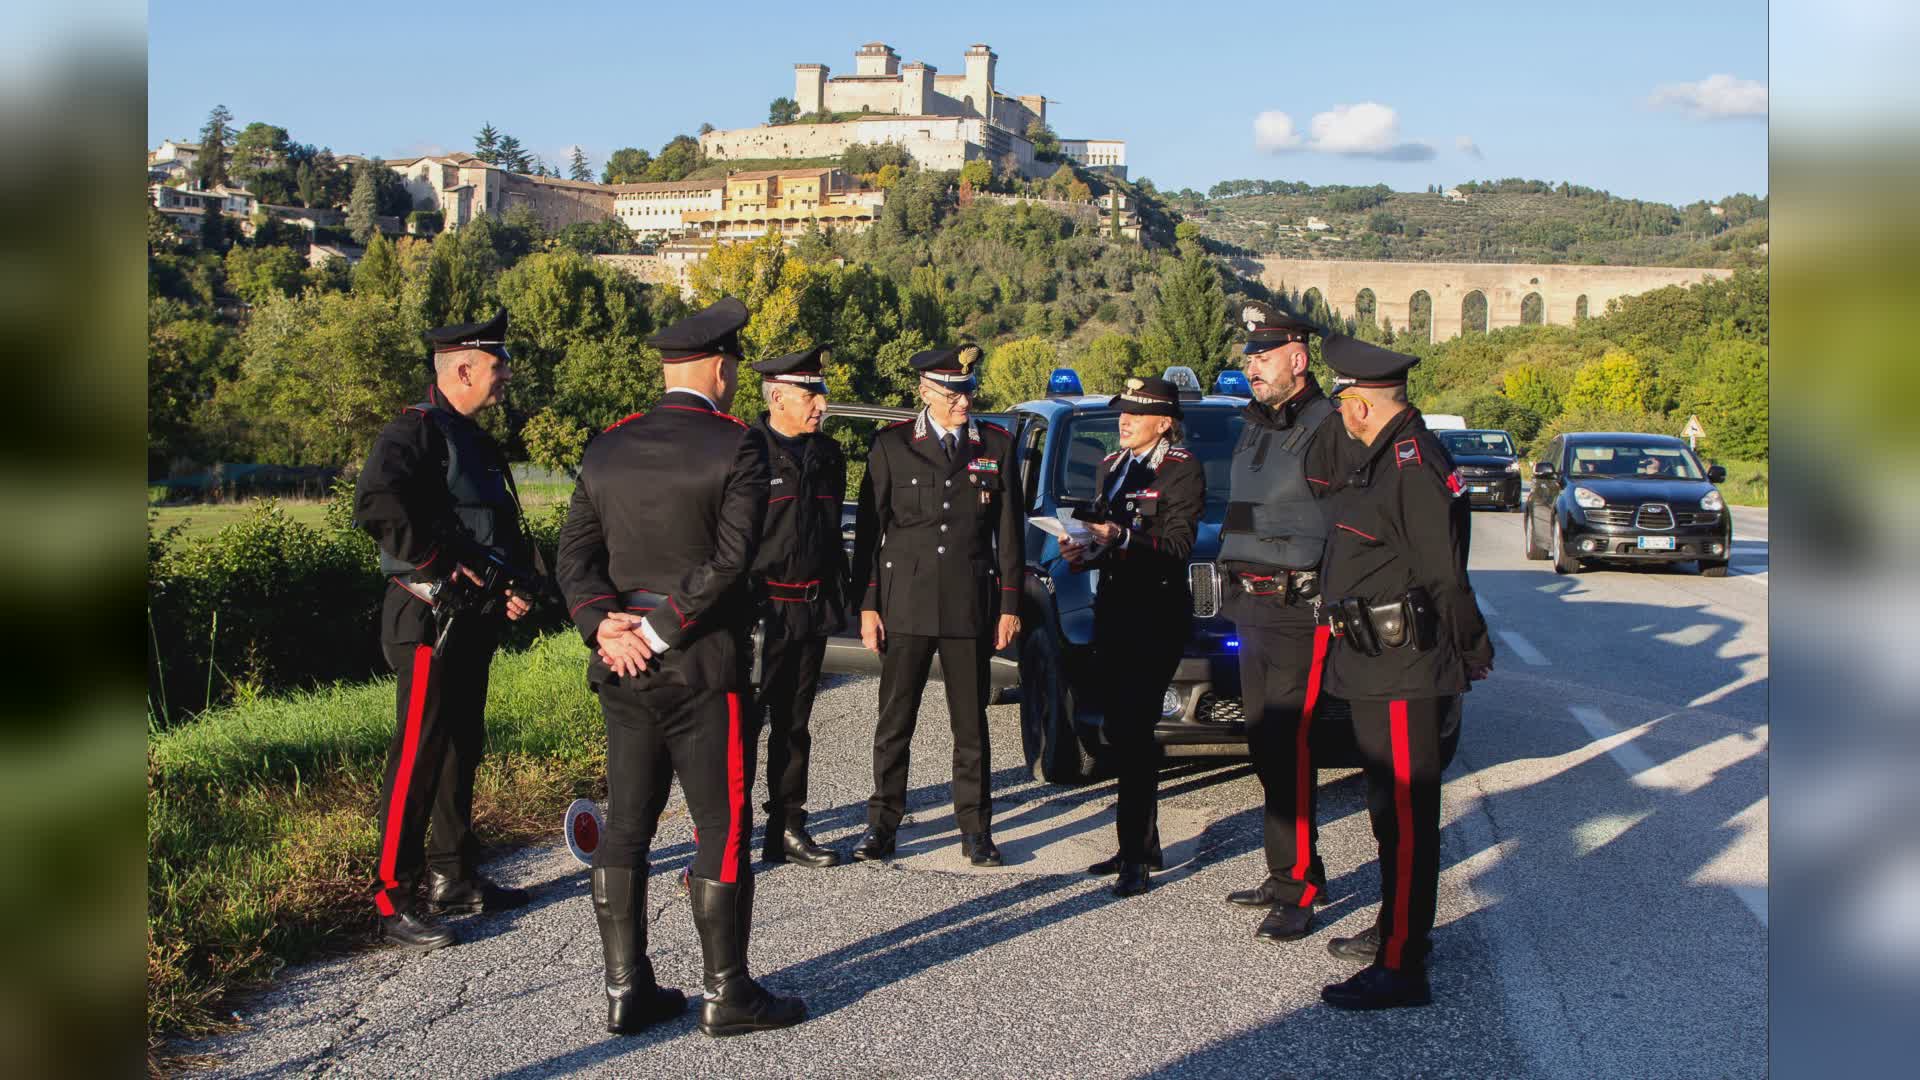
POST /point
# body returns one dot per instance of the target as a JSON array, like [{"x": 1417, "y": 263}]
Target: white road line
[
  {"x": 1524, "y": 648},
  {"x": 1755, "y": 897},
  {"x": 1486, "y": 608},
  {"x": 1643, "y": 770}
]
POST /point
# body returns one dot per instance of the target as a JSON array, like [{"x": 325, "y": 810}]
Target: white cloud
[
  {"x": 1368, "y": 129},
  {"x": 1466, "y": 145},
  {"x": 1716, "y": 97},
  {"x": 1273, "y": 132}
]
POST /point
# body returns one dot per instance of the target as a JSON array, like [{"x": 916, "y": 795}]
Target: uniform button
[
  {"x": 940, "y": 550},
  {"x": 915, "y": 480},
  {"x": 946, "y": 506},
  {"x": 949, "y": 483},
  {"x": 889, "y": 566},
  {"x": 943, "y": 527}
]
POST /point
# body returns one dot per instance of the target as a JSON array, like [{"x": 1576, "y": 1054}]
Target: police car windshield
[
  {"x": 1477, "y": 442},
  {"x": 1635, "y": 460},
  {"x": 1091, "y": 436}
]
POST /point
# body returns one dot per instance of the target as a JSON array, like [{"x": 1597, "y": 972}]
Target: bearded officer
[
  {"x": 438, "y": 500},
  {"x": 801, "y": 574},
  {"x": 1412, "y": 640},
  {"x": 655, "y": 562},
  {"x": 939, "y": 546},
  {"x": 1272, "y": 539},
  {"x": 1155, "y": 492}
]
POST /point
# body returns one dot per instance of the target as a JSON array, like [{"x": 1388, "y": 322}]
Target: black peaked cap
[
  {"x": 1150, "y": 396},
  {"x": 479, "y": 335},
  {"x": 1362, "y": 363},
  {"x": 714, "y": 329}
]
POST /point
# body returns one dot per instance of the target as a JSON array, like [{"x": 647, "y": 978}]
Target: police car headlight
[
  {"x": 1170, "y": 704},
  {"x": 1513, "y": 466},
  {"x": 1587, "y": 500},
  {"x": 1713, "y": 501}
]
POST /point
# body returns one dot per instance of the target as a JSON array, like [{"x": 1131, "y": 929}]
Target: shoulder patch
[
  {"x": 1179, "y": 454},
  {"x": 1406, "y": 453},
  {"x": 622, "y": 420}
]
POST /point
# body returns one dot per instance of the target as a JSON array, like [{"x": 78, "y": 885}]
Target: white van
[{"x": 1444, "y": 422}]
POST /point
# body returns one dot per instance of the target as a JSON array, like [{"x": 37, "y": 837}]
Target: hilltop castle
[{"x": 944, "y": 121}]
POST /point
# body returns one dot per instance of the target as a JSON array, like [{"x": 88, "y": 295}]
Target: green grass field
[
  {"x": 205, "y": 519},
  {"x": 1746, "y": 483},
  {"x": 260, "y": 827}
]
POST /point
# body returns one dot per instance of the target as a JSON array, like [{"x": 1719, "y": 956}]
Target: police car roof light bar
[
  {"x": 1185, "y": 381},
  {"x": 1063, "y": 381},
  {"x": 1233, "y": 382}
]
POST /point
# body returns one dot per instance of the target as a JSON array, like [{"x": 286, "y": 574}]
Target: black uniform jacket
[
  {"x": 940, "y": 543},
  {"x": 1159, "y": 509},
  {"x": 801, "y": 570},
  {"x": 1398, "y": 521},
  {"x": 402, "y": 500},
  {"x": 671, "y": 501}
]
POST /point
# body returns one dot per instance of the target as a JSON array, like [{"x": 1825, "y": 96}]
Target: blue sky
[{"x": 1653, "y": 100}]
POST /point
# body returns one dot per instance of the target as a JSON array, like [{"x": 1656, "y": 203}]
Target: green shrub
[{"x": 1602, "y": 420}]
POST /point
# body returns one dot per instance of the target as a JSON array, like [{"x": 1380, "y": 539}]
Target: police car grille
[
  {"x": 1611, "y": 515},
  {"x": 1219, "y": 710},
  {"x": 1654, "y": 516},
  {"x": 1695, "y": 517},
  {"x": 1203, "y": 580}
]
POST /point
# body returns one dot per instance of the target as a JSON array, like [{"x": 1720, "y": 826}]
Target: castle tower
[
  {"x": 876, "y": 58},
  {"x": 916, "y": 88},
  {"x": 810, "y": 87},
  {"x": 978, "y": 86}
]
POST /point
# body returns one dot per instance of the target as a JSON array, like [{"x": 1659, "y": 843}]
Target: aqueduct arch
[{"x": 1506, "y": 285}]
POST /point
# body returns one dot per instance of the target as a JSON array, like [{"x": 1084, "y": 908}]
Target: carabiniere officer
[
  {"x": 1410, "y": 641},
  {"x": 438, "y": 500},
  {"x": 940, "y": 548}
]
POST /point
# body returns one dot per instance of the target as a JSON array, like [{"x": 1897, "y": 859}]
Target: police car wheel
[
  {"x": 1053, "y": 748},
  {"x": 1535, "y": 550}
]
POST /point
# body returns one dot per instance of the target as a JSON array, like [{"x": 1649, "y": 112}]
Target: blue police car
[{"x": 1062, "y": 439}]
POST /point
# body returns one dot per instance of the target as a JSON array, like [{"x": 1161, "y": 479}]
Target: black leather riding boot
[
  {"x": 735, "y": 1004},
  {"x": 634, "y": 999}
]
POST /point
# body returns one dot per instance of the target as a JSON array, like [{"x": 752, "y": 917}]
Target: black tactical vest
[
  {"x": 477, "y": 479},
  {"x": 1274, "y": 520}
]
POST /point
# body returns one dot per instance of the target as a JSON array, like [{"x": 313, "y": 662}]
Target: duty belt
[
  {"x": 1289, "y": 585},
  {"x": 793, "y": 592},
  {"x": 642, "y": 600}
]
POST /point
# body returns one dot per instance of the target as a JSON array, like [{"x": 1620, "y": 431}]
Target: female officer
[{"x": 1153, "y": 492}]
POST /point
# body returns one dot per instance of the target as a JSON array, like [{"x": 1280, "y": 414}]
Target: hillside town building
[
  {"x": 943, "y": 121},
  {"x": 462, "y": 187}
]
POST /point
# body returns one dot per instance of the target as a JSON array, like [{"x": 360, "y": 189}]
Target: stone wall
[
  {"x": 936, "y": 142},
  {"x": 1505, "y": 286}
]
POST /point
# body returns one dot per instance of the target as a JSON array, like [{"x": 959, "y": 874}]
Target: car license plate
[
  {"x": 1477, "y": 489},
  {"x": 1656, "y": 543}
]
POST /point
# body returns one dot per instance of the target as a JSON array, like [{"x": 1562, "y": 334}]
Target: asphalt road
[{"x": 1603, "y": 907}]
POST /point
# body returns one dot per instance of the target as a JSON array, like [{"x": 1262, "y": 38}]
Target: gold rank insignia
[
  {"x": 1135, "y": 384},
  {"x": 969, "y": 356}
]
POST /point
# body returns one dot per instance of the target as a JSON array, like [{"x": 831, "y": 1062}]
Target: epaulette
[
  {"x": 1179, "y": 453},
  {"x": 622, "y": 420}
]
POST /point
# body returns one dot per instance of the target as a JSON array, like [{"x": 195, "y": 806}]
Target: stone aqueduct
[{"x": 1564, "y": 291}]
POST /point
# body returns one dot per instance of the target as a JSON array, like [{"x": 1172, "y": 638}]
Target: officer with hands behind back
[
  {"x": 438, "y": 500},
  {"x": 940, "y": 552},
  {"x": 1154, "y": 493},
  {"x": 655, "y": 562},
  {"x": 1409, "y": 640},
  {"x": 1271, "y": 542},
  {"x": 801, "y": 575}
]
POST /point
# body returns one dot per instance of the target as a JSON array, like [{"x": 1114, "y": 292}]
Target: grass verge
[
  {"x": 260, "y": 826},
  {"x": 1746, "y": 483}
]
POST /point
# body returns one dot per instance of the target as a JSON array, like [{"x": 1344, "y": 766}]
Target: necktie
[
  {"x": 946, "y": 443},
  {"x": 1120, "y": 482}
]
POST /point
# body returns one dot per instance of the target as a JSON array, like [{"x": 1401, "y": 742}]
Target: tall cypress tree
[
  {"x": 216, "y": 137},
  {"x": 363, "y": 207}
]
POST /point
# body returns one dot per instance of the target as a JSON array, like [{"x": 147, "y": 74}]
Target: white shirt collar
[
  {"x": 938, "y": 431},
  {"x": 695, "y": 393}
]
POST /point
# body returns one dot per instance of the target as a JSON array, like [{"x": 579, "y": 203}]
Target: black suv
[
  {"x": 1489, "y": 466},
  {"x": 1623, "y": 497},
  {"x": 1061, "y": 441}
]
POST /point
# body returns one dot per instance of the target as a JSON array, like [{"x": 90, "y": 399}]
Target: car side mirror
[
  {"x": 1543, "y": 470},
  {"x": 1716, "y": 474}
]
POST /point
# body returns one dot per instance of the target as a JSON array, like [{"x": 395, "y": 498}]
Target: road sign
[{"x": 1694, "y": 430}]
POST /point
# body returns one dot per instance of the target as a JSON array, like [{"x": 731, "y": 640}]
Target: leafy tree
[
  {"x": 783, "y": 110},
  {"x": 603, "y": 379},
  {"x": 888, "y": 176},
  {"x": 457, "y": 283},
  {"x": 187, "y": 359},
  {"x": 486, "y": 145},
  {"x": 1529, "y": 387},
  {"x": 258, "y": 274},
  {"x": 1108, "y": 361},
  {"x": 577, "y": 167},
  {"x": 379, "y": 273},
  {"x": 214, "y": 233},
  {"x": 363, "y": 208},
  {"x": 1046, "y": 145},
  {"x": 553, "y": 441},
  {"x": 1734, "y": 377},
  {"x": 705, "y": 128},
  {"x": 509, "y": 155},
  {"x": 788, "y": 303},
  {"x": 1491, "y": 410},
  {"x": 332, "y": 275},
  {"x": 863, "y": 158},
  {"x": 979, "y": 173},
  {"x": 626, "y": 165},
  {"x": 1191, "y": 316},
  {"x": 678, "y": 158},
  {"x": 1614, "y": 383},
  {"x": 1017, "y": 371},
  {"x": 216, "y": 141}
]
